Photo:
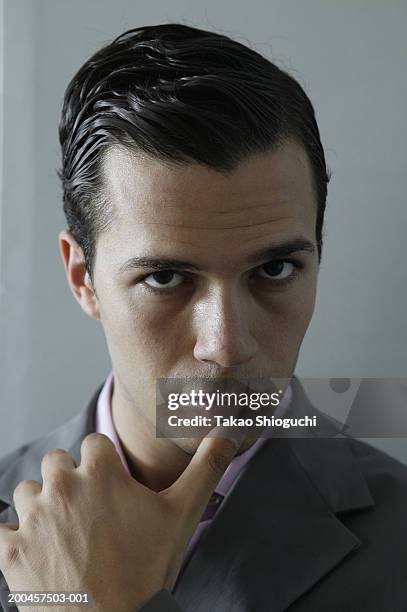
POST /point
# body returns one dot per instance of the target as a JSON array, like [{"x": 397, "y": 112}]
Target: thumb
[{"x": 196, "y": 484}]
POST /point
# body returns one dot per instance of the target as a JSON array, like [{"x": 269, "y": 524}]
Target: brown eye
[
  {"x": 164, "y": 279},
  {"x": 277, "y": 270}
]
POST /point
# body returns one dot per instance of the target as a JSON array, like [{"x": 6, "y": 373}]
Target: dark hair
[{"x": 183, "y": 95}]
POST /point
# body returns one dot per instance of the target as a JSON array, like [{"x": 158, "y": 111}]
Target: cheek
[
  {"x": 138, "y": 330},
  {"x": 283, "y": 324}
]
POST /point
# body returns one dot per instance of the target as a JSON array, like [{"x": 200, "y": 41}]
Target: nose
[{"x": 223, "y": 332}]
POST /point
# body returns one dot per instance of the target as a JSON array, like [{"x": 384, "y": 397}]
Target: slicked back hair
[{"x": 182, "y": 95}]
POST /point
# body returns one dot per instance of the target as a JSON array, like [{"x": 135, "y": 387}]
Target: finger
[
  {"x": 98, "y": 453},
  {"x": 25, "y": 494},
  {"x": 196, "y": 484},
  {"x": 55, "y": 461}
]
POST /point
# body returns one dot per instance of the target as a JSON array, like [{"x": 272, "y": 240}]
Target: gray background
[{"x": 350, "y": 58}]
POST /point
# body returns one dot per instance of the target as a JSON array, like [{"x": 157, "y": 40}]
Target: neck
[{"x": 155, "y": 462}]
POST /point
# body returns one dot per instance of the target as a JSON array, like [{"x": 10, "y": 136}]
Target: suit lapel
[{"x": 277, "y": 533}]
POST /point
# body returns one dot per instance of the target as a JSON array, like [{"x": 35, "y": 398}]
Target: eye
[
  {"x": 280, "y": 271},
  {"x": 164, "y": 279}
]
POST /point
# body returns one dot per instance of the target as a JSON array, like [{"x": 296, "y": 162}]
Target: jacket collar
[
  {"x": 328, "y": 459},
  {"x": 27, "y": 463}
]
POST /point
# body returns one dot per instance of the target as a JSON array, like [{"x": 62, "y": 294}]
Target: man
[{"x": 194, "y": 189}]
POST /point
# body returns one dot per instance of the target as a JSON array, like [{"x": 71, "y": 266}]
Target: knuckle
[
  {"x": 21, "y": 488},
  {"x": 220, "y": 456},
  {"x": 11, "y": 555},
  {"x": 54, "y": 454},
  {"x": 218, "y": 460},
  {"x": 97, "y": 455},
  {"x": 24, "y": 490},
  {"x": 97, "y": 438},
  {"x": 94, "y": 436}
]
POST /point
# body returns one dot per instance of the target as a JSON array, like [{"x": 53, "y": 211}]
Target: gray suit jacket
[{"x": 311, "y": 525}]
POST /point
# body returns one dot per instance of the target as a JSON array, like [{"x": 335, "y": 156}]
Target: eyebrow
[{"x": 276, "y": 251}]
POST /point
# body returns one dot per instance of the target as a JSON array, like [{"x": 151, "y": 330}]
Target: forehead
[{"x": 268, "y": 195}]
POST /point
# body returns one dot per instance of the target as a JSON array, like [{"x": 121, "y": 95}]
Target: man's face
[{"x": 227, "y": 309}]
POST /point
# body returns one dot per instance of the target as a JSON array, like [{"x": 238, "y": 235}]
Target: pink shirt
[{"x": 105, "y": 425}]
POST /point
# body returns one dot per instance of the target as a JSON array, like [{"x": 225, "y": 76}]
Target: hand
[{"x": 95, "y": 529}]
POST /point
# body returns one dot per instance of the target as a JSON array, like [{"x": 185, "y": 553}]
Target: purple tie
[{"x": 212, "y": 507}]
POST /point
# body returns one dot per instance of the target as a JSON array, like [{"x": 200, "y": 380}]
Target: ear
[{"x": 77, "y": 276}]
